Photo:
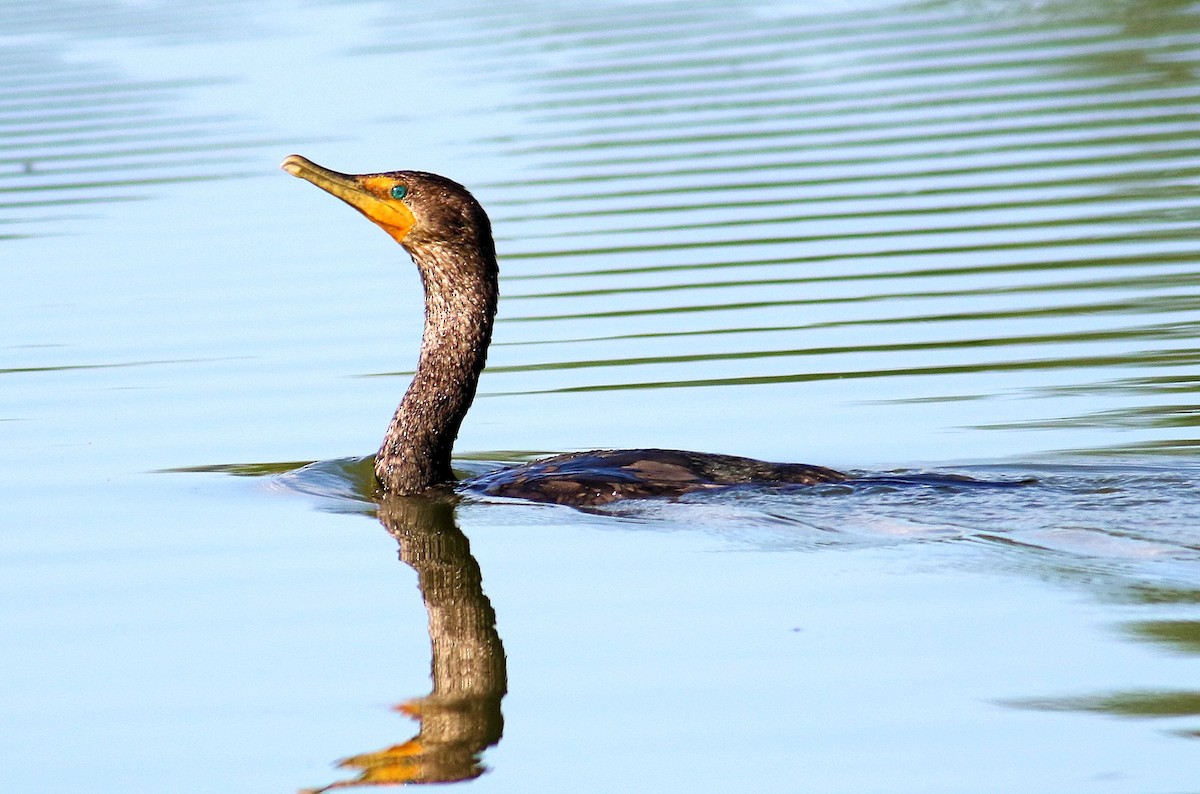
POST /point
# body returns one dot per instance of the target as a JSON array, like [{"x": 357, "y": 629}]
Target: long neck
[{"x": 460, "y": 305}]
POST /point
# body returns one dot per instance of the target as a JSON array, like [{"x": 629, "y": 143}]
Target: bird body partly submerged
[
  {"x": 449, "y": 237},
  {"x": 606, "y": 475}
]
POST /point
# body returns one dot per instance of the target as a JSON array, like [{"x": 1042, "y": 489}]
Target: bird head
[{"x": 416, "y": 208}]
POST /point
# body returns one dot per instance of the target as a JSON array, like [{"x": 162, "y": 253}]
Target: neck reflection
[{"x": 461, "y": 717}]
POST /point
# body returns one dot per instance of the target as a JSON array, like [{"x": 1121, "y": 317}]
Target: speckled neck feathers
[
  {"x": 457, "y": 262},
  {"x": 449, "y": 237}
]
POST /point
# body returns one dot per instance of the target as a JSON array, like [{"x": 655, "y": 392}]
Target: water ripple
[{"x": 1012, "y": 183}]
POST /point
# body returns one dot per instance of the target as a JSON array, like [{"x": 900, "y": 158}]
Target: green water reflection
[
  {"x": 1181, "y": 636},
  {"x": 971, "y": 163},
  {"x": 1175, "y": 636},
  {"x": 1150, "y": 704},
  {"x": 880, "y": 236}
]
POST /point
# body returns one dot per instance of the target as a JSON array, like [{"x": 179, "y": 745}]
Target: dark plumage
[
  {"x": 449, "y": 237},
  {"x": 606, "y": 475}
]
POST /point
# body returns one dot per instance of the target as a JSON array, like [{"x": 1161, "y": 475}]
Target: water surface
[{"x": 892, "y": 238}]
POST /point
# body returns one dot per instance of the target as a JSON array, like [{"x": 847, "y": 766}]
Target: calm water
[{"x": 886, "y": 237}]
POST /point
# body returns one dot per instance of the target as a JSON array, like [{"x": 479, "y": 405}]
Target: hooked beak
[{"x": 367, "y": 193}]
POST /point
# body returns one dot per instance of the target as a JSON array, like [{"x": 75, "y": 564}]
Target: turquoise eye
[{"x": 399, "y": 192}]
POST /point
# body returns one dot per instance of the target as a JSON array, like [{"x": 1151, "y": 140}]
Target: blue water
[{"x": 906, "y": 240}]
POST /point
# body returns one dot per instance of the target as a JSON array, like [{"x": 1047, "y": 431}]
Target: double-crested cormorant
[{"x": 449, "y": 237}]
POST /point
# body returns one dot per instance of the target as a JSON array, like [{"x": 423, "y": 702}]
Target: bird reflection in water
[{"x": 461, "y": 717}]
